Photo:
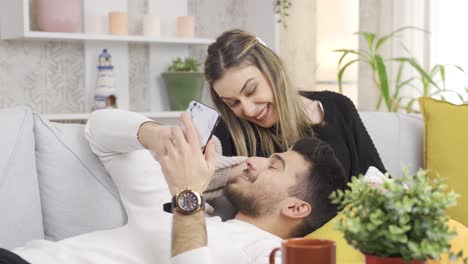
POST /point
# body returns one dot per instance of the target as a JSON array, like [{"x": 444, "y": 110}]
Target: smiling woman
[
  {"x": 249, "y": 85},
  {"x": 263, "y": 114},
  {"x": 253, "y": 101}
]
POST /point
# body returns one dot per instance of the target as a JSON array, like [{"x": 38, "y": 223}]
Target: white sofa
[{"x": 52, "y": 186}]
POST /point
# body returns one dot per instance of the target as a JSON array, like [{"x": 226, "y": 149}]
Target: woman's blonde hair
[{"x": 236, "y": 48}]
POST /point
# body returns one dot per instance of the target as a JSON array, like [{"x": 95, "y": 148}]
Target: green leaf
[
  {"x": 341, "y": 73},
  {"x": 406, "y": 83},
  {"x": 188, "y": 65},
  {"x": 342, "y": 58},
  {"x": 379, "y": 102},
  {"x": 434, "y": 70},
  {"x": 442, "y": 75},
  {"x": 397, "y": 221},
  {"x": 347, "y": 51},
  {"x": 409, "y": 106},
  {"x": 400, "y": 72},
  {"x": 369, "y": 37},
  {"x": 384, "y": 39},
  {"x": 383, "y": 81},
  {"x": 397, "y": 104},
  {"x": 358, "y": 52},
  {"x": 459, "y": 68},
  {"x": 419, "y": 69}
]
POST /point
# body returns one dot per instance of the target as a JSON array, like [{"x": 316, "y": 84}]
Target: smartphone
[{"x": 204, "y": 119}]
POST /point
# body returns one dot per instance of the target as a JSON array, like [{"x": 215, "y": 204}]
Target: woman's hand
[{"x": 236, "y": 171}]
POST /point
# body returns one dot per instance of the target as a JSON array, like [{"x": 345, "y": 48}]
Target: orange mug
[{"x": 303, "y": 250}]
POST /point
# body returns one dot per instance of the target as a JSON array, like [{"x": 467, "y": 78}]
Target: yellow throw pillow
[
  {"x": 345, "y": 254},
  {"x": 446, "y": 148},
  {"x": 460, "y": 242}
]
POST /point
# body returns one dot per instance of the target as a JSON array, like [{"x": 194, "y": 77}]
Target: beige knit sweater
[{"x": 223, "y": 166}]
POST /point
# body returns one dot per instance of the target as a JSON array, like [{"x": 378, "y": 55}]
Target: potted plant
[
  {"x": 402, "y": 220},
  {"x": 184, "y": 83},
  {"x": 426, "y": 82}
]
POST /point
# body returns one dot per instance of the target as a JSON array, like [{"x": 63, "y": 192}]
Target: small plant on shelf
[
  {"x": 184, "y": 82},
  {"x": 187, "y": 65}
]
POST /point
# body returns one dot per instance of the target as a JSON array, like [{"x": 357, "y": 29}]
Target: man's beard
[{"x": 245, "y": 204}]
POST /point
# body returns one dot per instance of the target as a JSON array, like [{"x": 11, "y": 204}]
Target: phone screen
[{"x": 204, "y": 119}]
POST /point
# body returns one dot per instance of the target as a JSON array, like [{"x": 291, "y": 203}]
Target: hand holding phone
[{"x": 204, "y": 119}]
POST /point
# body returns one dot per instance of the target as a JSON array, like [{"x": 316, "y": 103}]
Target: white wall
[
  {"x": 261, "y": 21},
  {"x": 298, "y": 42}
]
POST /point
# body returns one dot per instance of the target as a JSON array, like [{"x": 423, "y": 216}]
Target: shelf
[
  {"x": 39, "y": 35},
  {"x": 15, "y": 24},
  {"x": 85, "y": 116}
]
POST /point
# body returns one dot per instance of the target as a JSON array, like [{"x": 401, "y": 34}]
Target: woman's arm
[
  {"x": 368, "y": 154},
  {"x": 344, "y": 130}
]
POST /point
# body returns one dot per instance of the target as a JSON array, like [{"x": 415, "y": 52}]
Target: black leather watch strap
[{"x": 169, "y": 207}]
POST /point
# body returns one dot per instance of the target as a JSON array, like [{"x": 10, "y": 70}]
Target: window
[
  {"x": 337, "y": 21},
  {"x": 449, "y": 42}
]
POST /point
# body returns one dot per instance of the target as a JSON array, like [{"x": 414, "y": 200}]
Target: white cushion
[
  {"x": 398, "y": 139},
  {"x": 20, "y": 206},
  {"x": 77, "y": 193}
]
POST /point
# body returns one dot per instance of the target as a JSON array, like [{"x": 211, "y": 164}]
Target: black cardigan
[{"x": 342, "y": 128}]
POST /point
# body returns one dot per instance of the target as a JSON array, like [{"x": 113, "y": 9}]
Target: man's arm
[
  {"x": 116, "y": 135},
  {"x": 195, "y": 224},
  {"x": 185, "y": 166},
  {"x": 188, "y": 232}
]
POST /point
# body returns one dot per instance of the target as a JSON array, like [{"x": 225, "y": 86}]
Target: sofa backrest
[
  {"x": 398, "y": 139},
  {"x": 20, "y": 205},
  {"x": 71, "y": 193}
]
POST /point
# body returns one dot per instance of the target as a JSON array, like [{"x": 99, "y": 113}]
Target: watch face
[{"x": 188, "y": 201}]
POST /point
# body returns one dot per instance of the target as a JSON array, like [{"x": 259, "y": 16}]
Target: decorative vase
[
  {"x": 118, "y": 23},
  {"x": 183, "y": 87},
  {"x": 59, "y": 15},
  {"x": 389, "y": 260},
  {"x": 185, "y": 26},
  {"x": 96, "y": 24},
  {"x": 151, "y": 26}
]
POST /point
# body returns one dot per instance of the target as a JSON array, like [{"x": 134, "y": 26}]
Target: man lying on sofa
[{"x": 283, "y": 196}]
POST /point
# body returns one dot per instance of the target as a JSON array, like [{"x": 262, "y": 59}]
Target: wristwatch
[{"x": 186, "y": 202}]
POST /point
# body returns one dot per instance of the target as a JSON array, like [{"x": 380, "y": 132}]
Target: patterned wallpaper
[
  {"x": 139, "y": 78},
  {"x": 49, "y": 75},
  {"x": 229, "y": 14}
]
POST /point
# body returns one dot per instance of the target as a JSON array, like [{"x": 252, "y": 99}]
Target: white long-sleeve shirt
[{"x": 146, "y": 238}]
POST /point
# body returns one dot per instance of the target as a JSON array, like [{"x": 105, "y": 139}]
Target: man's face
[{"x": 266, "y": 182}]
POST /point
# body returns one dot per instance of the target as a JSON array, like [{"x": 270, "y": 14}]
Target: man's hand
[{"x": 182, "y": 161}]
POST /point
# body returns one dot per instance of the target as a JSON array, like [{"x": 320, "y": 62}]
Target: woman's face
[{"x": 246, "y": 91}]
